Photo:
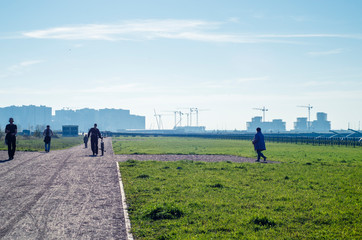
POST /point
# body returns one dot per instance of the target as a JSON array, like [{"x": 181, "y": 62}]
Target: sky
[{"x": 225, "y": 58}]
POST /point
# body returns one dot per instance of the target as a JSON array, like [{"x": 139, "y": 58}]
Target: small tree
[{"x": 38, "y": 131}]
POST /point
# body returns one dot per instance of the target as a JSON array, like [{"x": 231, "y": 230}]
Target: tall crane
[
  {"x": 263, "y": 110},
  {"x": 192, "y": 111},
  {"x": 158, "y": 120},
  {"x": 309, "y": 108},
  {"x": 178, "y": 118},
  {"x": 196, "y": 111}
]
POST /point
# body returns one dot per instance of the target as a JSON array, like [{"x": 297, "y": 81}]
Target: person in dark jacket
[
  {"x": 94, "y": 134},
  {"x": 259, "y": 144},
  {"x": 11, "y": 130},
  {"x": 85, "y": 140},
  {"x": 48, "y": 133}
]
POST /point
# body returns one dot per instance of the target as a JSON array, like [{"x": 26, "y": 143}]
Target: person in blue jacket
[{"x": 259, "y": 144}]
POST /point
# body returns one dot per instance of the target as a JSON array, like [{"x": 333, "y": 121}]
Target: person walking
[
  {"x": 48, "y": 133},
  {"x": 11, "y": 130},
  {"x": 259, "y": 144},
  {"x": 85, "y": 140},
  {"x": 94, "y": 134}
]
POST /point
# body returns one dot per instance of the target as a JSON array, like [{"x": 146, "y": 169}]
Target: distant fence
[
  {"x": 316, "y": 141},
  {"x": 348, "y": 142}
]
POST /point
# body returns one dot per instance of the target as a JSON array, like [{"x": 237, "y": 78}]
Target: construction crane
[
  {"x": 196, "y": 111},
  {"x": 158, "y": 120},
  {"x": 309, "y": 108},
  {"x": 178, "y": 118},
  {"x": 192, "y": 111},
  {"x": 263, "y": 110}
]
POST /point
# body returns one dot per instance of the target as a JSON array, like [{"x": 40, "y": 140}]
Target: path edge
[{"x": 124, "y": 206}]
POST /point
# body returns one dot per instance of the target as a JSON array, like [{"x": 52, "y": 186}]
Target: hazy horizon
[{"x": 224, "y": 58}]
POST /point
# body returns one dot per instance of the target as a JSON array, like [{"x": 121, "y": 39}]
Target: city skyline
[
  {"x": 224, "y": 58},
  {"x": 31, "y": 117}
]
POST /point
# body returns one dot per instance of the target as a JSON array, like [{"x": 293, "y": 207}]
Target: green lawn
[
  {"x": 37, "y": 144},
  {"x": 315, "y": 193}
]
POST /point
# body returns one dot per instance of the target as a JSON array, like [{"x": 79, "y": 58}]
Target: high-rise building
[
  {"x": 301, "y": 125},
  {"x": 321, "y": 124},
  {"x": 275, "y": 126},
  {"x": 33, "y": 117},
  {"x": 107, "y": 119},
  {"x": 27, "y": 117}
]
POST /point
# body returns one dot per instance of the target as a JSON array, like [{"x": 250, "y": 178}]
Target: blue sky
[{"x": 222, "y": 57}]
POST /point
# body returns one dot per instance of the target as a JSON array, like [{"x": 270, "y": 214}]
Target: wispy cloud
[
  {"x": 312, "y": 35},
  {"x": 253, "y": 79},
  {"x": 324, "y": 53},
  {"x": 234, "y": 19},
  {"x": 227, "y": 84},
  {"x": 120, "y": 88},
  {"x": 194, "y": 30},
  {"x": 17, "y": 69},
  {"x": 128, "y": 30},
  {"x": 23, "y": 64}
]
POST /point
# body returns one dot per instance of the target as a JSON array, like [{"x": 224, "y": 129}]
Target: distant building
[
  {"x": 275, "y": 126},
  {"x": 301, "y": 125},
  {"x": 107, "y": 119},
  {"x": 70, "y": 131},
  {"x": 190, "y": 129},
  {"x": 27, "y": 117},
  {"x": 321, "y": 124},
  {"x": 37, "y": 117}
]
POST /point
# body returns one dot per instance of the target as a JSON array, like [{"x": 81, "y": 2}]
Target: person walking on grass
[
  {"x": 11, "y": 130},
  {"x": 259, "y": 144},
  {"x": 48, "y": 133},
  {"x": 94, "y": 134}
]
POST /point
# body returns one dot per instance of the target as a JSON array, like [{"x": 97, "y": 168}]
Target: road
[{"x": 65, "y": 194}]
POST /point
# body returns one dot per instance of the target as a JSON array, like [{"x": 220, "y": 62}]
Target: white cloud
[
  {"x": 313, "y": 35},
  {"x": 195, "y": 30},
  {"x": 18, "y": 68},
  {"x": 23, "y": 64},
  {"x": 227, "y": 84},
  {"x": 121, "y": 88},
  {"x": 233, "y": 19},
  {"x": 28, "y": 63},
  {"x": 128, "y": 30},
  {"x": 324, "y": 53},
  {"x": 253, "y": 79}
]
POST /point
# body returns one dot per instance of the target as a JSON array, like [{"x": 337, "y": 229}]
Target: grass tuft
[
  {"x": 218, "y": 185},
  {"x": 263, "y": 221},
  {"x": 143, "y": 176},
  {"x": 164, "y": 212}
]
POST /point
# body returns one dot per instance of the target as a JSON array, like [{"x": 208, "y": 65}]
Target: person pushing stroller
[{"x": 94, "y": 134}]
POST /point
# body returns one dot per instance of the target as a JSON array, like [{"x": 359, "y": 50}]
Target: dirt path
[{"x": 64, "y": 194}]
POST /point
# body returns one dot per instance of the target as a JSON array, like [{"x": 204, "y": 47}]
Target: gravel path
[
  {"x": 64, "y": 194},
  {"x": 69, "y": 194}
]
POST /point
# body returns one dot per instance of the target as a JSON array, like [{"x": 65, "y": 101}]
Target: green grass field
[
  {"x": 314, "y": 193},
  {"x": 37, "y": 144}
]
